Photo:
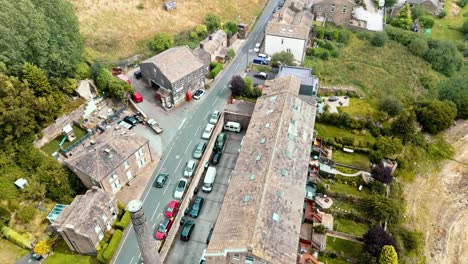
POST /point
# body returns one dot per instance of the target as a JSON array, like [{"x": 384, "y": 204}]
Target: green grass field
[
  {"x": 350, "y": 227},
  {"x": 348, "y": 189},
  {"x": 445, "y": 28},
  {"x": 376, "y": 71},
  {"x": 360, "y": 108},
  {"x": 53, "y": 145},
  {"x": 356, "y": 159},
  {"x": 10, "y": 252},
  {"x": 347, "y": 248},
  {"x": 329, "y": 131},
  {"x": 62, "y": 254}
]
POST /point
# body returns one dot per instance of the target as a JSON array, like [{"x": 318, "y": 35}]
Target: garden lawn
[
  {"x": 53, "y": 145},
  {"x": 360, "y": 108},
  {"x": 10, "y": 252},
  {"x": 347, "y": 248},
  {"x": 329, "y": 131},
  {"x": 62, "y": 254},
  {"x": 329, "y": 260},
  {"x": 356, "y": 159},
  {"x": 444, "y": 28},
  {"x": 350, "y": 227},
  {"x": 347, "y": 206},
  {"x": 337, "y": 187},
  {"x": 376, "y": 71}
]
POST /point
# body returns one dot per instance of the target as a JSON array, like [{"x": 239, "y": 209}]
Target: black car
[
  {"x": 209, "y": 235},
  {"x": 187, "y": 230},
  {"x": 137, "y": 74},
  {"x": 196, "y": 207},
  {"x": 161, "y": 180},
  {"x": 216, "y": 157},
  {"x": 131, "y": 120}
]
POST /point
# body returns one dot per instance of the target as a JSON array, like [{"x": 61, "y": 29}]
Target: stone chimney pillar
[{"x": 147, "y": 244}]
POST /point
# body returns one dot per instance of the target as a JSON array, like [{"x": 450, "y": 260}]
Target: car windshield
[
  {"x": 214, "y": 115},
  {"x": 199, "y": 148},
  {"x": 181, "y": 185},
  {"x": 162, "y": 228},
  {"x": 207, "y": 129},
  {"x": 189, "y": 169}
]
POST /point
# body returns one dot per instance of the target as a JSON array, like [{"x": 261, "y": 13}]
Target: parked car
[
  {"x": 198, "y": 94},
  {"x": 189, "y": 168},
  {"x": 202, "y": 259},
  {"x": 196, "y": 207},
  {"x": 214, "y": 117},
  {"x": 208, "y": 131},
  {"x": 199, "y": 150},
  {"x": 257, "y": 47},
  {"x": 137, "y": 97},
  {"x": 138, "y": 117},
  {"x": 209, "y": 235},
  {"x": 164, "y": 227},
  {"x": 216, "y": 157},
  {"x": 261, "y": 75},
  {"x": 137, "y": 74},
  {"x": 263, "y": 55},
  {"x": 131, "y": 120},
  {"x": 220, "y": 141},
  {"x": 332, "y": 98},
  {"x": 155, "y": 126},
  {"x": 172, "y": 208},
  {"x": 180, "y": 189},
  {"x": 125, "y": 124},
  {"x": 161, "y": 179},
  {"x": 187, "y": 230}
]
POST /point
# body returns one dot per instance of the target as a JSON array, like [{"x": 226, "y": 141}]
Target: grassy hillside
[
  {"x": 445, "y": 28},
  {"x": 115, "y": 29},
  {"x": 375, "y": 71}
]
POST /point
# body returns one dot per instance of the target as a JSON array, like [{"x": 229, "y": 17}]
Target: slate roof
[
  {"x": 262, "y": 208},
  {"x": 93, "y": 160},
  {"x": 84, "y": 212},
  {"x": 176, "y": 63},
  {"x": 293, "y": 20},
  {"x": 217, "y": 39}
]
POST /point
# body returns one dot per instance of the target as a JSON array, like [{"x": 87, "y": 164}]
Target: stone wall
[{"x": 339, "y": 88}]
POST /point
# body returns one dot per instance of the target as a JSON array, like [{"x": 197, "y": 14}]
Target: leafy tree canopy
[
  {"x": 213, "y": 22},
  {"x": 230, "y": 28},
  {"x": 404, "y": 126},
  {"x": 161, "y": 42},
  {"x": 283, "y": 57},
  {"x": 456, "y": 90},
  {"x": 403, "y": 20},
  {"x": 389, "y": 146},
  {"x": 237, "y": 85},
  {"x": 382, "y": 173},
  {"x": 388, "y": 255},
  {"x": 444, "y": 57},
  {"x": 375, "y": 239},
  {"x": 45, "y": 33},
  {"x": 435, "y": 115},
  {"x": 391, "y": 105}
]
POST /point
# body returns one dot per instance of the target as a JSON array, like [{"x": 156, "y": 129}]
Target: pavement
[
  {"x": 333, "y": 106},
  {"x": 182, "y": 130}
]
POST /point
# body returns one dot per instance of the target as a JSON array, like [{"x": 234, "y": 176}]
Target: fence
[{"x": 76, "y": 143}]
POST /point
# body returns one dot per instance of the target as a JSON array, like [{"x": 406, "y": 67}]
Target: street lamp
[{"x": 247, "y": 62}]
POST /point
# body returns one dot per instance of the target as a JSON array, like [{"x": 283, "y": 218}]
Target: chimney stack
[{"x": 148, "y": 246}]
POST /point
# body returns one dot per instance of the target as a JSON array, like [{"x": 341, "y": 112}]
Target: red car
[
  {"x": 172, "y": 208},
  {"x": 137, "y": 97},
  {"x": 163, "y": 229}
]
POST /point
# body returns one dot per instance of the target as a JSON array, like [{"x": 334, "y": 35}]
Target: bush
[
  {"x": 379, "y": 39},
  {"x": 26, "y": 214},
  {"x": 161, "y": 42},
  {"x": 418, "y": 47},
  {"x": 444, "y": 57},
  {"x": 401, "y": 36},
  {"x": 231, "y": 54},
  {"x": 462, "y": 3},
  {"x": 442, "y": 13},
  {"x": 5, "y": 216},
  {"x": 83, "y": 71},
  {"x": 124, "y": 221},
  {"x": 321, "y": 53},
  {"x": 16, "y": 238},
  {"x": 344, "y": 36},
  {"x": 391, "y": 105},
  {"x": 426, "y": 21},
  {"x": 100, "y": 252},
  {"x": 435, "y": 116},
  {"x": 113, "y": 245},
  {"x": 214, "y": 72}
]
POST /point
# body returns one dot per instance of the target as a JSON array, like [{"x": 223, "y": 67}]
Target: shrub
[
  {"x": 379, "y": 39},
  {"x": 442, "y": 13},
  {"x": 124, "y": 221},
  {"x": 401, "y": 36},
  {"x": 82, "y": 71},
  {"x": 391, "y": 105},
  {"x": 462, "y": 3},
  {"x": 5, "y": 216},
  {"x": 320, "y": 229},
  {"x": 113, "y": 245},
  {"x": 321, "y": 53},
  {"x": 214, "y": 72},
  {"x": 16, "y": 238},
  {"x": 26, "y": 214},
  {"x": 418, "y": 47},
  {"x": 435, "y": 116},
  {"x": 444, "y": 57},
  {"x": 426, "y": 21},
  {"x": 418, "y": 11},
  {"x": 231, "y": 54},
  {"x": 100, "y": 252},
  {"x": 213, "y": 65},
  {"x": 344, "y": 36},
  {"x": 161, "y": 42}
]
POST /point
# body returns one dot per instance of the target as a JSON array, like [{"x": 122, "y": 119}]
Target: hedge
[
  {"x": 100, "y": 252},
  {"x": 113, "y": 245},
  {"x": 16, "y": 238},
  {"x": 124, "y": 221},
  {"x": 214, "y": 72}
]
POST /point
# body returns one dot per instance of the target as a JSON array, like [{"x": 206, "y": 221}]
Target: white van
[
  {"x": 232, "y": 126},
  {"x": 210, "y": 178}
]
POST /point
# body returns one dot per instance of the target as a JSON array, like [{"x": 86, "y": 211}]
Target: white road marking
[
  {"x": 214, "y": 102},
  {"x": 132, "y": 259},
  {"x": 188, "y": 146},
  {"x": 157, "y": 207},
  {"x": 177, "y": 166},
  {"x": 183, "y": 121},
  {"x": 198, "y": 129},
  {"x": 167, "y": 186}
]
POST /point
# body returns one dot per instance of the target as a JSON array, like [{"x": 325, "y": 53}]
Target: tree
[
  {"x": 283, "y": 57},
  {"x": 26, "y": 213},
  {"x": 237, "y": 85},
  {"x": 113, "y": 86},
  {"x": 161, "y": 42},
  {"x": 388, "y": 255},
  {"x": 418, "y": 46},
  {"x": 375, "y": 157},
  {"x": 230, "y": 54},
  {"x": 42, "y": 247},
  {"x": 381, "y": 208},
  {"x": 418, "y": 11},
  {"x": 44, "y": 33},
  {"x": 444, "y": 57},
  {"x": 426, "y": 21},
  {"x": 435, "y": 116},
  {"x": 212, "y": 22},
  {"x": 391, "y": 105},
  {"x": 379, "y": 39},
  {"x": 390, "y": 3},
  {"x": 382, "y": 173},
  {"x": 389, "y": 146},
  {"x": 404, "y": 126},
  {"x": 375, "y": 238},
  {"x": 200, "y": 32},
  {"x": 403, "y": 20},
  {"x": 248, "y": 87},
  {"x": 230, "y": 28},
  {"x": 320, "y": 229},
  {"x": 455, "y": 90}
]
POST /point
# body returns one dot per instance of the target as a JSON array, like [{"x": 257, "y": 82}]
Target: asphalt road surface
[{"x": 181, "y": 135}]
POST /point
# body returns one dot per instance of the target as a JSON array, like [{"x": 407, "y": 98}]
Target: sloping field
[{"x": 116, "y": 29}]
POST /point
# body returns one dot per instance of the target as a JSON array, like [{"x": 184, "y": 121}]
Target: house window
[
  {"x": 97, "y": 229},
  {"x": 129, "y": 175},
  {"x": 288, "y": 50},
  {"x": 236, "y": 257},
  {"x": 101, "y": 236},
  {"x": 249, "y": 260},
  {"x": 116, "y": 185},
  {"x": 104, "y": 217},
  {"x": 282, "y": 41},
  {"x": 320, "y": 9},
  {"x": 139, "y": 153},
  {"x": 126, "y": 164},
  {"x": 141, "y": 163},
  {"x": 344, "y": 8},
  {"x": 108, "y": 226},
  {"x": 113, "y": 177},
  {"x": 333, "y": 7}
]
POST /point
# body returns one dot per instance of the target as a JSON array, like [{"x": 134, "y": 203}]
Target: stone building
[{"x": 336, "y": 11}]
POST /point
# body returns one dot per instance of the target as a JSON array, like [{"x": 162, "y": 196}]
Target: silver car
[{"x": 199, "y": 150}]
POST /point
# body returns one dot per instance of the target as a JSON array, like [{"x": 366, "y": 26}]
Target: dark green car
[
  {"x": 187, "y": 230},
  {"x": 220, "y": 140}
]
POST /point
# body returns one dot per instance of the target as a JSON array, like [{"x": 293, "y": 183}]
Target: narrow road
[{"x": 178, "y": 149}]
